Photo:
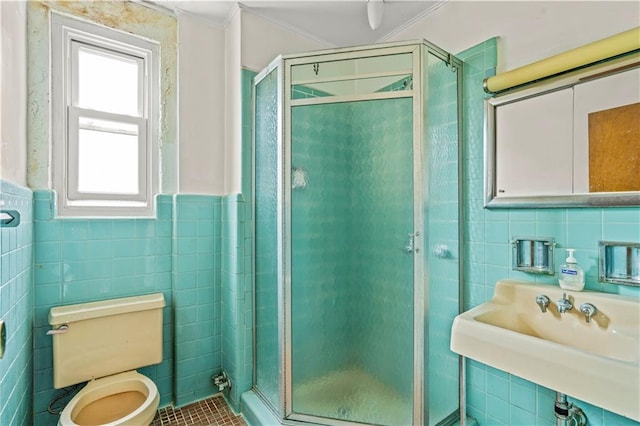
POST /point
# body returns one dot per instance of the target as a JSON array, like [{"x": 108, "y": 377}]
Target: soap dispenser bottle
[{"x": 571, "y": 275}]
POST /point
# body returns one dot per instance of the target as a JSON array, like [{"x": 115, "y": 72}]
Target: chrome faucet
[
  {"x": 564, "y": 304},
  {"x": 588, "y": 310},
  {"x": 543, "y": 301}
]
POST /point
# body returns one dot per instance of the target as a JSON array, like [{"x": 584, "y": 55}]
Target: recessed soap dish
[
  {"x": 533, "y": 255},
  {"x": 619, "y": 263}
]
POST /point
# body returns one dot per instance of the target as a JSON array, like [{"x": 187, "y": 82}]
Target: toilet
[{"x": 103, "y": 343}]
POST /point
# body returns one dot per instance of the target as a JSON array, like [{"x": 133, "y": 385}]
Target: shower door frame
[{"x": 282, "y": 66}]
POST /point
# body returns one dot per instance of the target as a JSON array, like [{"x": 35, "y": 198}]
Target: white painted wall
[
  {"x": 13, "y": 102},
  {"x": 233, "y": 105},
  {"x": 528, "y": 30},
  {"x": 263, "y": 41},
  {"x": 201, "y": 94}
]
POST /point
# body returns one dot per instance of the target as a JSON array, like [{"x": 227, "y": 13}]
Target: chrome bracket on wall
[
  {"x": 533, "y": 255},
  {"x": 9, "y": 218},
  {"x": 619, "y": 263},
  {"x": 3, "y": 338},
  {"x": 411, "y": 244}
]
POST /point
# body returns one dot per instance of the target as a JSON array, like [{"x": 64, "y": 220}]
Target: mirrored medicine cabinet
[{"x": 573, "y": 141}]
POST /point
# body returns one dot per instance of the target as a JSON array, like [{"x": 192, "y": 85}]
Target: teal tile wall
[
  {"x": 196, "y": 296},
  {"x": 237, "y": 265},
  {"x": 246, "y": 78},
  {"x": 442, "y": 237},
  {"x": 495, "y": 397},
  {"x": 237, "y": 290},
  {"x": 178, "y": 254},
  {"x": 16, "y": 307},
  {"x": 82, "y": 260}
]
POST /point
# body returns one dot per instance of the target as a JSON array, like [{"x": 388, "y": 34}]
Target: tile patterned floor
[{"x": 212, "y": 411}]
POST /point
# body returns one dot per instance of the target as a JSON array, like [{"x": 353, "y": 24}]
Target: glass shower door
[
  {"x": 267, "y": 378},
  {"x": 352, "y": 260}
]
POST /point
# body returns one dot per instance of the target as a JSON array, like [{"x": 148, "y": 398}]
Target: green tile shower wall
[
  {"x": 341, "y": 312},
  {"x": 237, "y": 265},
  {"x": 92, "y": 259},
  {"x": 495, "y": 397},
  {"x": 16, "y": 307},
  {"x": 380, "y": 220},
  {"x": 442, "y": 234},
  {"x": 322, "y": 299},
  {"x": 237, "y": 290}
]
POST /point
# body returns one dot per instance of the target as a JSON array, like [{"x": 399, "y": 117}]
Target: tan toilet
[{"x": 103, "y": 343}]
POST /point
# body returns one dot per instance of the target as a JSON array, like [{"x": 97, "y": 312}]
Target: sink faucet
[
  {"x": 543, "y": 301},
  {"x": 564, "y": 304},
  {"x": 588, "y": 310}
]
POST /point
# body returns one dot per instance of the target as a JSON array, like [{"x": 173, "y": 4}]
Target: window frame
[
  {"x": 73, "y": 148},
  {"x": 68, "y": 36}
]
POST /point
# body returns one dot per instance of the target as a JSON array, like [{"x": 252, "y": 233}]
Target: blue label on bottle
[{"x": 569, "y": 271}]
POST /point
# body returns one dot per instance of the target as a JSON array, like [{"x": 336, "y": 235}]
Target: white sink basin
[{"x": 597, "y": 362}]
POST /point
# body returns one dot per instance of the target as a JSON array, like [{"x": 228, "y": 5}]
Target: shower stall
[{"x": 357, "y": 235}]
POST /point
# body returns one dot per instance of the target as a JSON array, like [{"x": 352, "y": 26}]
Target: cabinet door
[
  {"x": 612, "y": 105},
  {"x": 534, "y": 140}
]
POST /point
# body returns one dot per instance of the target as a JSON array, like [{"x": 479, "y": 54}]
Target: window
[{"x": 105, "y": 95}]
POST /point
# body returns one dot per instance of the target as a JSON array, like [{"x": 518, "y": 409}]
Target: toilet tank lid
[{"x": 84, "y": 311}]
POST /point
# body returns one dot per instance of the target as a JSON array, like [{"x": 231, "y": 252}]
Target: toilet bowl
[
  {"x": 104, "y": 343},
  {"x": 122, "y": 399}
]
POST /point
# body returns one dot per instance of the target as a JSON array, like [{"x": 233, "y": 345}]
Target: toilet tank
[{"x": 105, "y": 337}]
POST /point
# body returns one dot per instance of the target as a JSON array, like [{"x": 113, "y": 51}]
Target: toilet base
[{"x": 122, "y": 399}]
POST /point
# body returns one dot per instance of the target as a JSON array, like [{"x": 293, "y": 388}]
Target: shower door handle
[{"x": 411, "y": 244}]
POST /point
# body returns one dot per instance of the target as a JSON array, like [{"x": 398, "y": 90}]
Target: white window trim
[{"x": 64, "y": 32}]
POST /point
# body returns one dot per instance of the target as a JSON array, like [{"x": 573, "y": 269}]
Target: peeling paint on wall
[{"x": 122, "y": 15}]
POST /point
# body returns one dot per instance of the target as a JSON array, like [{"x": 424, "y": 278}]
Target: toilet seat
[{"x": 121, "y": 399}]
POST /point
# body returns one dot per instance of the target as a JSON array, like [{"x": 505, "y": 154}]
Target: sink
[{"x": 597, "y": 362}]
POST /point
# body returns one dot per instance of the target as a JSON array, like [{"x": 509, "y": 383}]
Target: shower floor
[{"x": 352, "y": 395}]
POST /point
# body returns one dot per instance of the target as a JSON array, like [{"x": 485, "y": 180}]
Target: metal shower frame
[{"x": 282, "y": 65}]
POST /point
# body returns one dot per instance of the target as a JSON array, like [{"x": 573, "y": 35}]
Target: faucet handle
[
  {"x": 543, "y": 301},
  {"x": 588, "y": 310},
  {"x": 564, "y": 304}
]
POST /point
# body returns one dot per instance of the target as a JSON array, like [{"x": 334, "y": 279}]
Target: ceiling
[{"x": 338, "y": 23}]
